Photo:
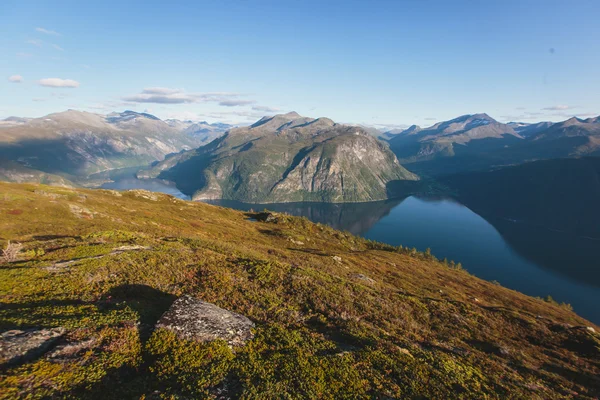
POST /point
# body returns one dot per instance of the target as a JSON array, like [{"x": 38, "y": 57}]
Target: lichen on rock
[{"x": 194, "y": 319}]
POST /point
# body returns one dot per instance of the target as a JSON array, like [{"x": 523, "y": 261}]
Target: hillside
[
  {"x": 76, "y": 144},
  {"x": 559, "y": 194},
  {"x": 287, "y": 158},
  {"x": 334, "y": 315}
]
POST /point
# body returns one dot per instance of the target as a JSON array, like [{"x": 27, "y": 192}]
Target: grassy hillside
[{"x": 336, "y": 316}]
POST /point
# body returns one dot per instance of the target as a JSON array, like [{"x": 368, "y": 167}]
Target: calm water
[
  {"x": 531, "y": 260},
  {"x": 124, "y": 179}
]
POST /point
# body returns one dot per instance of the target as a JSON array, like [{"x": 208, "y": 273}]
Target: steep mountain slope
[
  {"x": 559, "y": 194},
  {"x": 287, "y": 158},
  {"x": 335, "y": 316},
  {"x": 76, "y": 144}
]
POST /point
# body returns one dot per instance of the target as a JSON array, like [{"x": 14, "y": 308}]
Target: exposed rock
[
  {"x": 362, "y": 277},
  {"x": 124, "y": 249},
  {"x": 337, "y": 259},
  {"x": 112, "y": 192},
  {"x": 195, "y": 319},
  {"x": 296, "y": 242},
  {"x": 81, "y": 212},
  {"x": 18, "y": 345},
  {"x": 144, "y": 194},
  {"x": 266, "y": 217},
  {"x": 69, "y": 351},
  {"x": 60, "y": 266},
  {"x": 405, "y": 351},
  {"x": 51, "y": 195}
]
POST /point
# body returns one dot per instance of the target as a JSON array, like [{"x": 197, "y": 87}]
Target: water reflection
[
  {"x": 534, "y": 261},
  {"x": 356, "y": 218},
  {"x": 565, "y": 253},
  {"x": 124, "y": 179}
]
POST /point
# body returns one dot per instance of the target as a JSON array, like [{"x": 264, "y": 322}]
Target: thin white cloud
[
  {"x": 58, "y": 83},
  {"x": 265, "y": 109},
  {"x": 24, "y": 55},
  {"x": 163, "y": 95},
  {"x": 235, "y": 103},
  {"x": 559, "y": 107},
  {"x": 35, "y": 42},
  {"x": 161, "y": 90},
  {"x": 57, "y": 47},
  {"x": 231, "y": 116},
  {"x": 385, "y": 127},
  {"x": 15, "y": 79},
  {"x": 38, "y": 99},
  {"x": 47, "y": 31}
]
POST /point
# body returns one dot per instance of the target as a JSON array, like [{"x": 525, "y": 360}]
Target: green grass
[{"x": 422, "y": 328}]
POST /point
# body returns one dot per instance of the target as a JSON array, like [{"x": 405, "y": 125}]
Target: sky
[{"x": 378, "y": 63}]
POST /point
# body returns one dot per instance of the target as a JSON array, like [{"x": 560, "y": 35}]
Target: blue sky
[{"x": 371, "y": 62}]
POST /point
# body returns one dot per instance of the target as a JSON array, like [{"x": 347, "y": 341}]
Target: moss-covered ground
[{"x": 336, "y": 316}]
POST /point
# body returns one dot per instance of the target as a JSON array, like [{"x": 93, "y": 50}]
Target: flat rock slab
[
  {"x": 195, "y": 319},
  {"x": 17, "y": 346}
]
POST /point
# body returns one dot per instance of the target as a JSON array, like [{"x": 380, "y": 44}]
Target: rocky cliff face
[{"x": 288, "y": 158}]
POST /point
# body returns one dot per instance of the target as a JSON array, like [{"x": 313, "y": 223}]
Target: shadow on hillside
[
  {"x": 120, "y": 382},
  {"x": 149, "y": 303}
]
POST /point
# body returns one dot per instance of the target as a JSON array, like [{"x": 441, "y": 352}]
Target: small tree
[{"x": 11, "y": 251}]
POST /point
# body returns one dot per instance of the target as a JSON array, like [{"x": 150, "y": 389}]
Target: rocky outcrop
[
  {"x": 195, "y": 319},
  {"x": 22, "y": 345}
]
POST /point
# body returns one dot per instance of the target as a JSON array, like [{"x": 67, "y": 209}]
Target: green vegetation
[
  {"x": 288, "y": 158},
  {"x": 336, "y": 316}
]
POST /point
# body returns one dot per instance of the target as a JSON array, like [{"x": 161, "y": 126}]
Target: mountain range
[
  {"x": 287, "y": 158},
  {"x": 479, "y": 142},
  {"x": 74, "y": 145},
  {"x": 281, "y": 158}
]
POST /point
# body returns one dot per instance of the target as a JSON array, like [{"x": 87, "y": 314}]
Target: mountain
[
  {"x": 446, "y": 139},
  {"x": 478, "y": 142},
  {"x": 525, "y": 129},
  {"x": 76, "y": 144},
  {"x": 205, "y": 132},
  {"x": 11, "y": 121},
  {"x": 334, "y": 316},
  {"x": 287, "y": 158},
  {"x": 388, "y": 135},
  {"x": 11, "y": 171},
  {"x": 558, "y": 194},
  {"x": 573, "y": 127}
]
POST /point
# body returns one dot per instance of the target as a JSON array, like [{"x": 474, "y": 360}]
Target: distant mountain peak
[{"x": 412, "y": 129}]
